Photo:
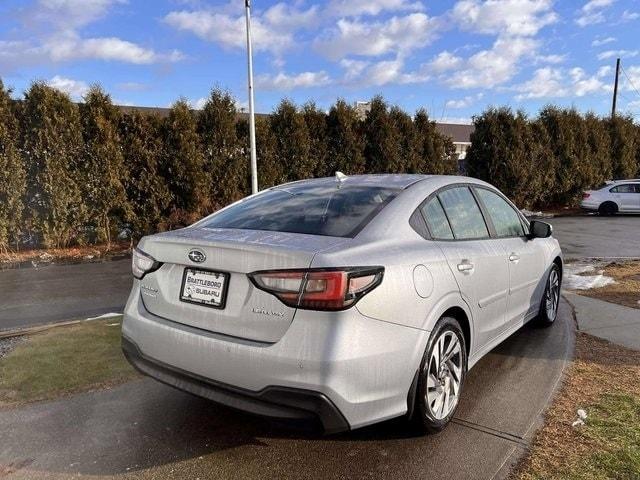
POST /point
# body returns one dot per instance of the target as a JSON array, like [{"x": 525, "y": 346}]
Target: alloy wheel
[
  {"x": 444, "y": 375},
  {"x": 553, "y": 295}
]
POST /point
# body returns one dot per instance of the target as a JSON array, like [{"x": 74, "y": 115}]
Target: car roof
[{"x": 396, "y": 181}]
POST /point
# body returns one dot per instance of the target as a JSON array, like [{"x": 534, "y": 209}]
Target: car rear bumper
[
  {"x": 588, "y": 205},
  {"x": 279, "y": 402},
  {"x": 326, "y": 362}
]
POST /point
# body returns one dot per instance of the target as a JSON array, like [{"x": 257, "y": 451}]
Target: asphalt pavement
[
  {"x": 56, "y": 293},
  {"x": 146, "y": 430},
  {"x": 589, "y": 236}
]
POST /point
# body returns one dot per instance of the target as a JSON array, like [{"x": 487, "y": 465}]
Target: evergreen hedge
[{"x": 76, "y": 174}]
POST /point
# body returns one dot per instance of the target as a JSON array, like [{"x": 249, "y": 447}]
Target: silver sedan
[{"x": 350, "y": 300}]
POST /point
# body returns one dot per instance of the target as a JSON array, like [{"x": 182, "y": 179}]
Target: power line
[{"x": 629, "y": 80}]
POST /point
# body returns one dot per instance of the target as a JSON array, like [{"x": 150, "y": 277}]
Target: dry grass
[
  {"x": 626, "y": 290},
  {"x": 71, "y": 253},
  {"x": 603, "y": 380},
  {"x": 64, "y": 360}
]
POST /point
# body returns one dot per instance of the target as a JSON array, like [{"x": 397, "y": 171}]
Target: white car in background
[{"x": 621, "y": 196}]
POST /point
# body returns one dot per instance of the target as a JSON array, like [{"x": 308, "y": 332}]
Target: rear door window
[
  {"x": 463, "y": 213},
  {"x": 311, "y": 209}
]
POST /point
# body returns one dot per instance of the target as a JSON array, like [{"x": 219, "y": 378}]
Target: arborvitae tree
[
  {"x": 408, "y": 141},
  {"x": 183, "y": 166},
  {"x": 293, "y": 143},
  {"x": 435, "y": 152},
  {"x": 345, "y": 142},
  {"x": 224, "y": 157},
  {"x": 504, "y": 151},
  {"x": 52, "y": 139},
  {"x": 12, "y": 174},
  {"x": 570, "y": 152},
  {"x": 147, "y": 192},
  {"x": 623, "y": 147},
  {"x": 600, "y": 148},
  {"x": 270, "y": 171},
  {"x": 383, "y": 150},
  {"x": 316, "y": 122},
  {"x": 103, "y": 172}
]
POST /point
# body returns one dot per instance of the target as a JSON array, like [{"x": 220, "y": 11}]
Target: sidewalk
[{"x": 612, "y": 322}]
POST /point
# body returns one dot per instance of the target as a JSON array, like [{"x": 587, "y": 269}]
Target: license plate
[{"x": 204, "y": 287}]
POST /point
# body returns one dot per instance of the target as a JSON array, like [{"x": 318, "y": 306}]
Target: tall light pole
[
  {"x": 615, "y": 89},
  {"x": 252, "y": 119}
]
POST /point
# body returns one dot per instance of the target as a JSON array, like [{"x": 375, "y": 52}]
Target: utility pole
[
  {"x": 615, "y": 89},
  {"x": 252, "y": 119}
]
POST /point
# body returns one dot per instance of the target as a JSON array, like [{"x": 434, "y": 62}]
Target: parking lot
[{"x": 146, "y": 430}]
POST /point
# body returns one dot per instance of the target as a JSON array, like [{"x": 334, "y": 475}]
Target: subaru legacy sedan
[{"x": 351, "y": 300}]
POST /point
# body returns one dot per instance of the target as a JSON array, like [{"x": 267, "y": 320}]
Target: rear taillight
[
  {"x": 585, "y": 195},
  {"x": 143, "y": 263},
  {"x": 319, "y": 289}
]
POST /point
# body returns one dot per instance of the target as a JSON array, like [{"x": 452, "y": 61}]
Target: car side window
[
  {"x": 625, "y": 188},
  {"x": 463, "y": 213},
  {"x": 505, "y": 219},
  {"x": 437, "y": 220}
]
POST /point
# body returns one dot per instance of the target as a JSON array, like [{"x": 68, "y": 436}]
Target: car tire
[
  {"x": 607, "y": 209},
  {"x": 551, "y": 298},
  {"x": 440, "y": 384}
]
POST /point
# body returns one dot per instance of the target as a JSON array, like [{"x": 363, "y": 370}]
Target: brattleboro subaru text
[{"x": 350, "y": 300}]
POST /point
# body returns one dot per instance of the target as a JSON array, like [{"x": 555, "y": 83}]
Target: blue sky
[{"x": 452, "y": 57}]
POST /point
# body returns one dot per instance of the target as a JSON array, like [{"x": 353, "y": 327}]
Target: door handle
[
  {"x": 514, "y": 257},
  {"x": 465, "y": 267}
]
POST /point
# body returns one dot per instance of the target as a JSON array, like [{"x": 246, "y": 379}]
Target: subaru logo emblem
[{"x": 197, "y": 256}]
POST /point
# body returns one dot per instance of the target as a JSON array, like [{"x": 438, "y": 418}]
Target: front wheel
[
  {"x": 550, "y": 299},
  {"x": 441, "y": 377}
]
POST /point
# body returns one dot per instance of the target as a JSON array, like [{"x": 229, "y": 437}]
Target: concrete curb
[{"x": 19, "y": 332}]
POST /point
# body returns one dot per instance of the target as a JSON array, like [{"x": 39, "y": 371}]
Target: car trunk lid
[{"x": 248, "y": 312}]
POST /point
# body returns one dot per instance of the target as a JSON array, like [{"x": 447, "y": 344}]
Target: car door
[
  {"x": 626, "y": 197},
  {"x": 525, "y": 256},
  {"x": 479, "y": 265}
]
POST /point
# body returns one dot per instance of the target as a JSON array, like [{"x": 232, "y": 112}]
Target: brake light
[
  {"x": 585, "y": 195},
  {"x": 319, "y": 289}
]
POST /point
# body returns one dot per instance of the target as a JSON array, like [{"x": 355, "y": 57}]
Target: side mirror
[{"x": 539, "y": 229}]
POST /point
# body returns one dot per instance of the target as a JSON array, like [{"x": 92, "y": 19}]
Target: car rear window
[{"x": 315, "y": 210}]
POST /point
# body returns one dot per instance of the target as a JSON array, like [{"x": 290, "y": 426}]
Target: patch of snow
[
  {"x": 106, "y": 315},
  {"x": 574, "y": 278},
  {"x": 538, "y": 214}
]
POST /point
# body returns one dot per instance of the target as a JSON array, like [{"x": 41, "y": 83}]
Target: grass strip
[{"x": 64, "y": 360}]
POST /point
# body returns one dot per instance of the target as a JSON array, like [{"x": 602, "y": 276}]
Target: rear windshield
[{"x": 315, "y": 210}]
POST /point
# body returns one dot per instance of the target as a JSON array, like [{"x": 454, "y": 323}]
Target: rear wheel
[
  {"x": 441, "y": 377},
  {"x": 550, "y": 299},
  {"x": 608, "y": 209}
]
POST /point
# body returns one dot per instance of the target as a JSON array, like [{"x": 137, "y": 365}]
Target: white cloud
[
  {"x": 592, "y": 12},
  {"x": 490, "y": 68},
  {"x": 132, "y": 86},
  {"x": 283, "y": 81},
  {"x": 618, "y": 53},
  {"x": 398, "y": 35},
  {"x": 58, "y": 40},
  {"x": 75, "y": 88},
  {"x": 371, "y": 7},
  {"x": 509, "y": 17},
  {"x": 552, "y": 58},
  {"x": 551, "y": 82},
  {"x": 598, "y": 42},
  {"x": 273, "y": 30},
  {"x": 70, "y": 14},
  {"x": 463, "y": 102},
  {"x": 444, "y": 62},
  {"x": 629, "y": 16}
]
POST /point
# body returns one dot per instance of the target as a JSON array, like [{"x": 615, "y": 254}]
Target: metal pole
[
  {"x": 615, "y": 89},
  {"x": 252, "y": 120}
]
